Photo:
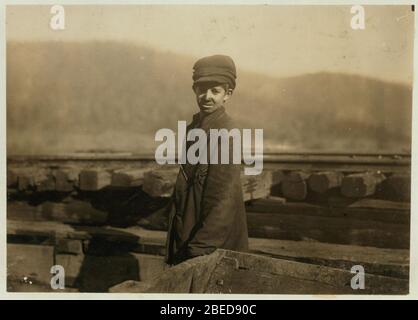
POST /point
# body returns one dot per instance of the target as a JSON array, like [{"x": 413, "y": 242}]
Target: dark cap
[{"x": 217, "y": 68}]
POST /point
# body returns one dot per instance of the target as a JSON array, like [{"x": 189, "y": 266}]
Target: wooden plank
[
  {"x": 273, "y": 199},
  {"x": 380, "y": 261},
  {"x": 355, "y": 225},
  {"x": 294, "y": 185},
  {"x": 19, "y": 210},
  {"x": 93, "y": 180},
  {"x": 130, "y": 286},
  {"x": 360, "y": 224},
  {"x": 363, "y": 209},
  {"x": 133, "y": 235},
  {"x": 322, "y": 182},
  {"x": 382, "y": 205},
  {"x": 76, "y": 211},
  {"x": 361, "y": 184},
  {"x": 236, "y": 272},
  {"x": 128, "y": 178},
  {"x": 328, "y": 229},
  {"x": 259, "y": 274}
]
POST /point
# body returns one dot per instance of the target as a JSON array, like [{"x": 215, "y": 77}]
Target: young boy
[{"x": 207, "y": 210}]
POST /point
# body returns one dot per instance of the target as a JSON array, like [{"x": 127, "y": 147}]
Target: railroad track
[{"x": 358, "y": 162}]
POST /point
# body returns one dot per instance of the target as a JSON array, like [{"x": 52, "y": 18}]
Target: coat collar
[{"x": 208, "y": 120}]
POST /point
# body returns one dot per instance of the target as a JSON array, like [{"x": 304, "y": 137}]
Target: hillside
[{"x": 66, "y": 97}]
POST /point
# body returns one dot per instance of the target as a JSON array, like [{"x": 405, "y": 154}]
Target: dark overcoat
[{"x": 207, "y": 209}]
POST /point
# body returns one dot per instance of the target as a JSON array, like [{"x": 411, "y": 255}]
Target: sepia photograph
[{"x": 209, "y": 149}]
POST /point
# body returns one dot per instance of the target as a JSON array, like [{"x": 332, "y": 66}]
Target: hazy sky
[{"x": 276, "y": 40}]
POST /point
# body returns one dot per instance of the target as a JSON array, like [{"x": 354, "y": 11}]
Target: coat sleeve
[{"x": 218, "y": 207}]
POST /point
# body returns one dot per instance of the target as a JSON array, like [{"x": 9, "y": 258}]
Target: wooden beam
[
  {"x": 322, "y": 182},
  {"x": 45, "y": 182},
  {"x": 294, "y": 185},
  {"x": 361, "y": 184},
  {"x": 256, "y": 187},
  {"x": 73, "y": 212},
  {"x": 397, "y": 187},
  {"x": 65, "y": 179},
  {"x": 276, "y": 184},
  {"x": 380, "y": 261},
  {"x": 240, "y": 272},
  {"x": 159, "y": 182},
  {"x": 76, "y": 211},
  {"x": 25, "y": 181},
  {"x": 35, "y": 179},
  {"x": 363, "y": 209},
  {"x": 93, "y": 180},
  {"x": 226, "y": 271},
  {"x": 128, "y": 178},
  {"x": 338, "y": 230}
]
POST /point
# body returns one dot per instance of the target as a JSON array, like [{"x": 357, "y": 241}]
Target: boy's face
[{"x": 210, "y": 96}]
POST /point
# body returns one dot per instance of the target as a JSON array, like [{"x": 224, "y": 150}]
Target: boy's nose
[{"x": 208, "y": 94}]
